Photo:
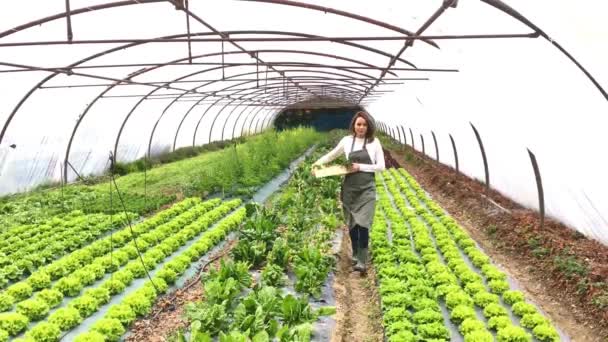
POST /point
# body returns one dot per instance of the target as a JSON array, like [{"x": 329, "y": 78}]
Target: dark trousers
[{"x": 359, "y": 237}]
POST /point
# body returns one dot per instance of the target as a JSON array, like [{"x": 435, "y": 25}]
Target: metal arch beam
[
  {"x": 216, "y": 116},
  {"x": 236, "y": 122},
  {"x": 260, "y": 89},
  {"x": 190, "y": 90},
  {"x": 262, "y": 127},
  {"x": 109, "y": 51},
  {"x": 146, "y": 70},
  {"x": 483, "y": 155},
  {"x": 135, "y": 2},
  {"x": 201, "y": 118},
  {"x": 267, "y": 117},
  {"x": 436, "y": 146},
  {"x": 75, "y": 12},
  {"x": 272, "y": 118},
  {"x": 191, "y": 108},
  {"x": 404, "y": 135},
  {"x": 398, "y": 132},
  {"x": 221, "y": 110},
  {"x": 412, "y": 138},
  {"x": 256, "y": 114},
  {"x": 229, "y": 115},
  {"x": 254, "y": 118},
  {"x": 165, "y": 111},
  {"x": 345, "y": 14},
  {"x": 210, "y": 82},
  {"x": 455, "y": 153},
  {"x": 245, "y": 120},
  {"x": 238, "y": 119},
  {"x": 262, "y": 119},
  {"x": 444, "y": 6},
  {"x": 498, "y": 4}
]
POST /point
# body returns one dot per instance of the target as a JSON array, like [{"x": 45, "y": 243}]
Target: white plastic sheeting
[{"x": 520, "y": 93}]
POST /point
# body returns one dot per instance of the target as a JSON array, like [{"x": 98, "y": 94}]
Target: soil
[
  {"x": 358, "y": 315},
  {"x": 559, "y": 269}
]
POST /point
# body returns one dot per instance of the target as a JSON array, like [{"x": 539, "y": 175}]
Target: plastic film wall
[
  {"x": 520, "y": 95},
  {"x": 149, "y": 76}
]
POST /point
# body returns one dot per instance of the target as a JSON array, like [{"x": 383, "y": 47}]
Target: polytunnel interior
[
  {"x": 76, "y": 88},
  {"x": 84, "y": 79},
  {"x": 497, "y": 108}
]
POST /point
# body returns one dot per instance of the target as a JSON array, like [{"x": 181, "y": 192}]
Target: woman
[{"x": 358, "y": 193}]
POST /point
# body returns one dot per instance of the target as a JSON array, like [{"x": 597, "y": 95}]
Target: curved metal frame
[
  {"x": 494, "y": 3},
  {"x": 412, "y": 136},
  {"x": 399, "y": 133},
  {"x": 404, "y": 135},
  {"x": 259, "y": 89},
  {"x": 145, "y": 70},
  {"x": 455, "y": 153},
  {"x": 483, "y": 155},
  {"x": 422, "y": 139},
  {"x": 539, "y": 187},
  {"x": 436, "y": 146},
  {"x": 196, "y": 88}
]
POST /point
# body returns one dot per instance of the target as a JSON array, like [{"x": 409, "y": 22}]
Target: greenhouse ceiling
[{"x": 81, "y": 79}]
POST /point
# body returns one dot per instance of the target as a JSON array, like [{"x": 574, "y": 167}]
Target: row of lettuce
[
  {"x": 59, "y": 296},
  {"x": 288, "y": 245},
  {"x": 427, "y": 263},
  {"x": 237, "y": 169},
  {"x": 50, "y": 231}
]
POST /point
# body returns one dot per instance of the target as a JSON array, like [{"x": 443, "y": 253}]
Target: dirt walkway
[{"x": 358, "y": 316}]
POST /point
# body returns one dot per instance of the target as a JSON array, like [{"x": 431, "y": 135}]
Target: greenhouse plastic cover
[{"x": 528, "y": 75}]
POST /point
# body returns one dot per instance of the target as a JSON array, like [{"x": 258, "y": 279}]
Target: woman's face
[{"x": 360, "y": 127}]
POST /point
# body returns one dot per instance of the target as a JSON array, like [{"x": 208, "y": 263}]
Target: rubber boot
[
  {"x": 361, "y": 265},
  {"x": 353, "y": 257}
]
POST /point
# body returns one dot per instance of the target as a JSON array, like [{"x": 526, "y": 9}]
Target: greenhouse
[{"x": 278, "y": 170}]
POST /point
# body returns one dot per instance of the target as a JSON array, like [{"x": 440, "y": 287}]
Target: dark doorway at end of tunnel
[{"x": 321, "y": 119}]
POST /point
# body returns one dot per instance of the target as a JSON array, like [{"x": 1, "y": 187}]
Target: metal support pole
[
  {"x": 455, "y": 153},
  {"x": 539, "y": 187},
  {"x": 436, "y": 146},
  {"x": 483, "y": 155}
]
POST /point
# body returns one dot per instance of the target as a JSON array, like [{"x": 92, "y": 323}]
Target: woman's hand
[
  {"x": 314, "y": 168},
  {"x": 355, "y": 167}
]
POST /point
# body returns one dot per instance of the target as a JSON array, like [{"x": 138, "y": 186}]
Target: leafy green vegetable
[
  {"x": 44, "y": 332},
  {"x": 454, "y": 299},
  {"x": 273, "y": 275},
  {"x": 511, "y": 297},
  {"x": 13, "y": 323},
  {"x": 471, "y": 324},
  {"x": 512, "y": 333},
  {"x": 433, "y": 330},
  {"x": 531, "y": 320},
  {"x": 6, "y": 301},
  {"x": 33, "y": 309},
  {"x": 92, "y": 336},
  {"x": 498, "y": 286},
  {"x": 479, "y": 336},
  {"x": 499, "y": 322},
  {"x": 111, "y": 328},
  {"x": 207, "y": 317},
  {"x": 462, "y": 312},
  {"x": 85, "y": 304},
  {"x": 522, "y": 308},
  {"x": 65, "y": 318},
  {"x": 546, "y": 333},
  {"x": 19, "y": 291}
]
